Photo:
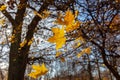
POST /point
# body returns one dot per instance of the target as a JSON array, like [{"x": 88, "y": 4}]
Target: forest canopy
[{"x": 60, "y": 39}]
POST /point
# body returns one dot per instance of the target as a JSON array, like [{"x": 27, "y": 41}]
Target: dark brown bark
[{"x": 17, "y": 67}]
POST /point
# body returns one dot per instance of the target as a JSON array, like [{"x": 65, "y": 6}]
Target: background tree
[{"x": 100, "y": 29}]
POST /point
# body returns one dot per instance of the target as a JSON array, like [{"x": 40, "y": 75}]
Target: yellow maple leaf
[
  {"x": 60, "y": 21},
  {"x": 60, "y": 42},
  {"x": 3, "y": 7},
  {"x": 81, "y": 39},
  {"x": 2, "y": 21},
  {"x": 76, "y": 43},
  {"x": 69, "y": 17},
  {"x": 46, "y": 13},
  {"x": 79, "y": 54},
  {"x": 30, "y": 42},
  {"x": 72, "y": 26},
  {"x": 44, "y": 69},
  {"x": 36, "y": 67},
  {"x": 62, "y": 59},
  {"x": 58, "y": 37},
  {"x": 38, "y": 71},
  {"x": 58, "y": 54},
  {"x": 22, "y": 44},
  {"x": 12, "y": 38},
  {"x": 86, "y": 50},
  {"x": 69, "y": 21},
  {"x": 33, "y": 75}
]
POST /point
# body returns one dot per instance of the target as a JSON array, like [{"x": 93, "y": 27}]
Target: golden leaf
[
  {"x": 58, "y": 37},
  {"x": 62, "y": 59},
  {"x": 3, "y": 7},
  {"x": 58, "y": 54},
  {"x": 12, "y": 38},
  {"x": 81, "y": 39},
  {"x": 2, "y": 21},
  {"x": 69, "y": 17},
  {"x": 46, "y": 13},
  {"x": 76, "y": 44},
  {"x": 79, "y": 54},
  {"x": 69, "y": 21},
  {"x": 22, "y": 44},
  {"x": 30, "y": 42},
  {"x": 38, "y": 71},
  {"x": 87, "y": 50},
  {"x": 44, "y": 69}
]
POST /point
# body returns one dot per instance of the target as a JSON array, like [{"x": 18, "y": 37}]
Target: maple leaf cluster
[{"x": 68, "y": 24}]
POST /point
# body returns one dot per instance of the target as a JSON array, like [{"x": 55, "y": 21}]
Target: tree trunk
[
  {"x": 111, "y": 69},
  {"x": 18, "y": 58},
  {"x": 17, "y": 63},
  {"x": 114, "y": 72},
  {"x": 17, "y": 68}
]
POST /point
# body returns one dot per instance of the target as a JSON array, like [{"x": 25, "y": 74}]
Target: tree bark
[{"x": 17, "y": 66}]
